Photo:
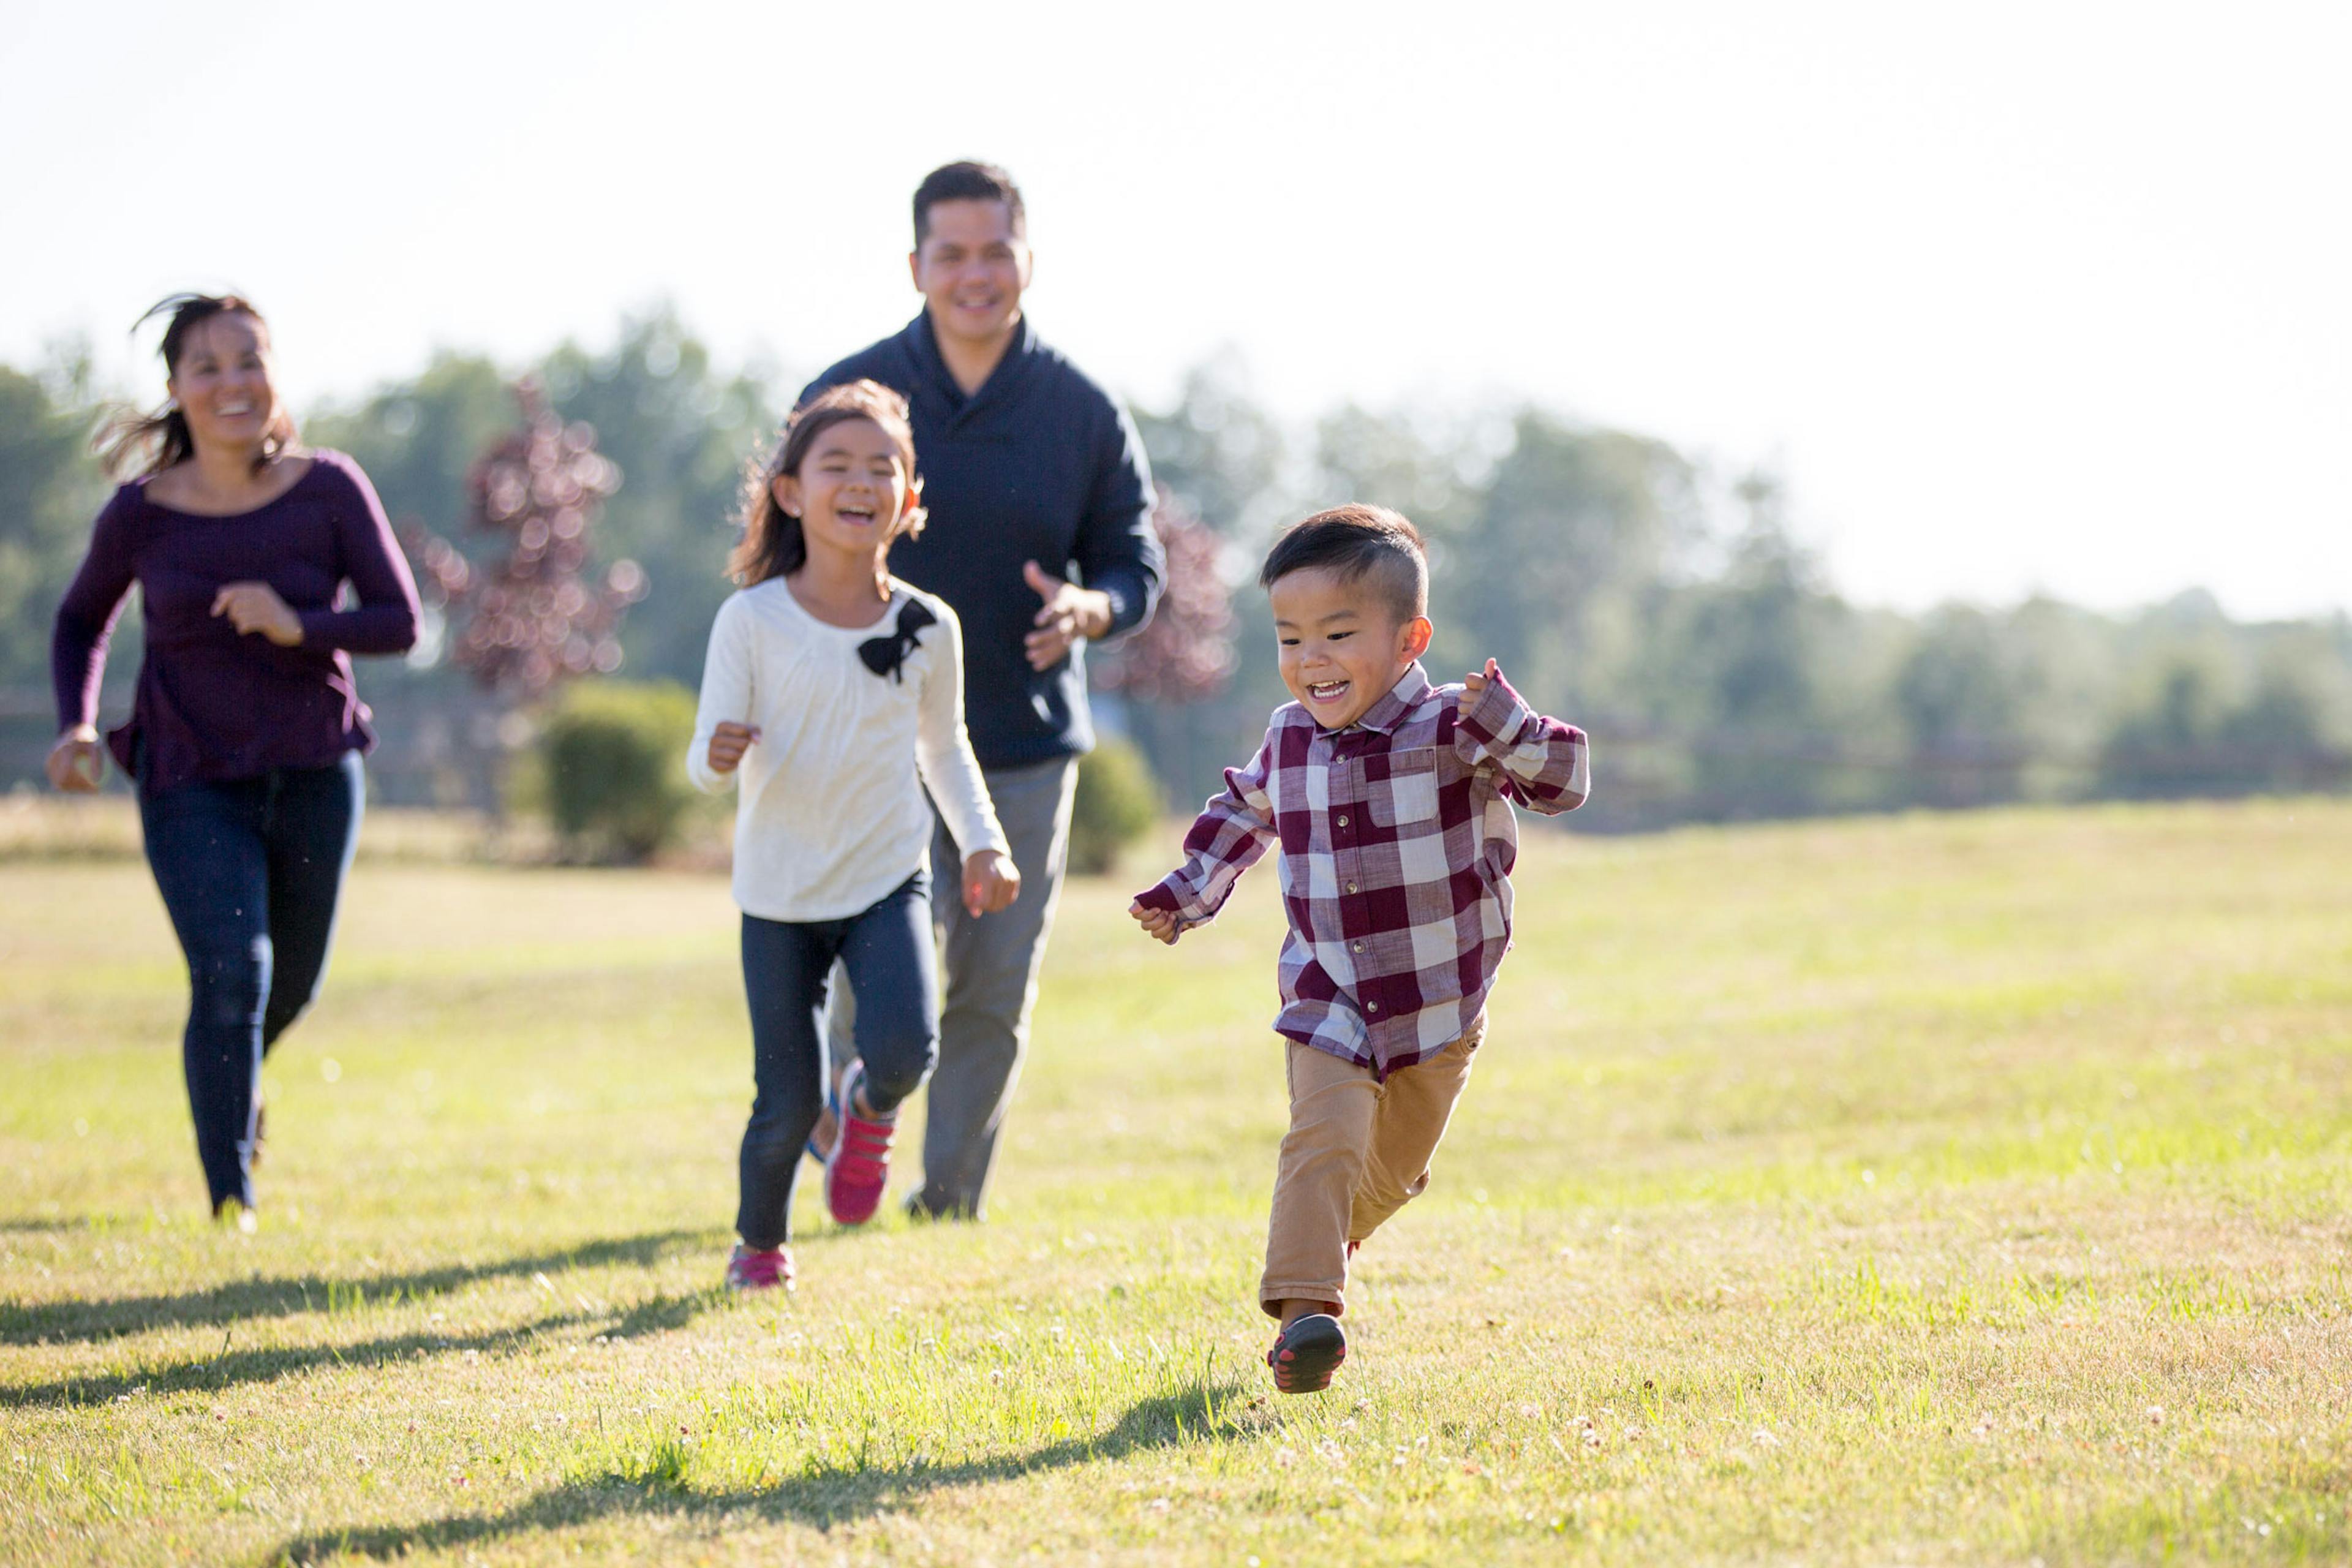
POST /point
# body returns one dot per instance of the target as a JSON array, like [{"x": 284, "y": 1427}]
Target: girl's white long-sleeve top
[{"x": 831, "y": 813}]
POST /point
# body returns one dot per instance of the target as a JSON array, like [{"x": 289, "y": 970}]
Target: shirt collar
[
  {"x": 1401, "y": 700},
  {"x": 923, "y": 344}
]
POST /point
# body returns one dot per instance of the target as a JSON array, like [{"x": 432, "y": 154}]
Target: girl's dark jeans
[
  {"x": 250, "y": 871},
  {"x": 887, "y": 951}
]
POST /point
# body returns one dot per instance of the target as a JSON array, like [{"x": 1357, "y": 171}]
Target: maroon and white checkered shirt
[{"x": 1397, "y": 839}]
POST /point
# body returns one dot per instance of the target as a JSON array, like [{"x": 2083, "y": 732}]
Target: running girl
[{"x": 831, "y": 700}]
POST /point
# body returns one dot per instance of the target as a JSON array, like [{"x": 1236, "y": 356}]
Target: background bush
[
  {"x": 1118, "y": 803},
  {"x": 612, "y": 767}
]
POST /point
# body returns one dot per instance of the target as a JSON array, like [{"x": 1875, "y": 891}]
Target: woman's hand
[
  {"x": 1474, "y": 686},
  {"x": 1161, "y": 925},
  {"x": 76, "y": 762},
  {"x": 256, "y": 607},
  {"x": 990, "y": 882},
  {"x": 728, "y": 741}
]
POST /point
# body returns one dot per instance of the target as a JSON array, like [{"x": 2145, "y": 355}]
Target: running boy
[{"x": 1391, "y": 799}]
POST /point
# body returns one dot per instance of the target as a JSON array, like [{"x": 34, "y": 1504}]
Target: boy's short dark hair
[
  {"x": 1352, "y": 542},
  {"x": 966, "y": 182}
]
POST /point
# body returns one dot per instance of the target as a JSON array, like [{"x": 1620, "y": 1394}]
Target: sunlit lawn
[{"x": 1969, "y": 1188}]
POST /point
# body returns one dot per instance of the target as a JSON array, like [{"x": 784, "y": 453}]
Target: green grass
[{"x": 1936, "y": 1189}]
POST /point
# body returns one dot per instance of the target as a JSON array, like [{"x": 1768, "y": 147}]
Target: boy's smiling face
[{"x": 1341, "y": 645}]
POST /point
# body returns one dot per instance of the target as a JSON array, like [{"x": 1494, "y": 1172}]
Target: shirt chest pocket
[{"x": 1400, "y": 788}]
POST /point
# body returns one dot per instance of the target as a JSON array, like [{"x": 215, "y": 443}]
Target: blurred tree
[
  {"x": 1420, "y": 467},
  {"x": 418, "y": 440},
  {"x": 2068, "y": 667},
  {"x": 1718, "y": 672},
  {"x": 1218, "y": 452},
  {"x": 531, "y": 618},
  {"x": 2167, "y": 743},
  {"x": 1411, "y": 464},
  {"x": 1960, "y": 700},
  {"x": 682, "y": 433},
  {"x": 527, "y": 615},
  {"x": 2293, "y": 733},
  {"x": 1169, "y": 675},
  {"x": 51, "y": 490},
  {"x": 1546, "y": 570},
  {"x": 1185, "y": 653},
  {"x": 1745, "y": 652}
]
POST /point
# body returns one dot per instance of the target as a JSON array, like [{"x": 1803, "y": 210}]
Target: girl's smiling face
[
  {"x": 1340, "y": 646},
  {"x": 853, "y": 493}
]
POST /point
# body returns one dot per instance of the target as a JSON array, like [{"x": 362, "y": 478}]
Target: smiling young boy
[{"x": 1391, "y": 799}]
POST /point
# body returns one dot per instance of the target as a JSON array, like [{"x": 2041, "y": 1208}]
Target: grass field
[{"x": 1940, "y": 1189}]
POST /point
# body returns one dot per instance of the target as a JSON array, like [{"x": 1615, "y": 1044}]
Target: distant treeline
[{"x": 1663, "y": 605}]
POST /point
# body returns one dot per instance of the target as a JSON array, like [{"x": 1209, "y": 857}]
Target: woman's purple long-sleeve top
[{"x": 213, "y": 702}]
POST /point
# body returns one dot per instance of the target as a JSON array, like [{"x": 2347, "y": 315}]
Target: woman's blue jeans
[{"x": 250, "y": 871}]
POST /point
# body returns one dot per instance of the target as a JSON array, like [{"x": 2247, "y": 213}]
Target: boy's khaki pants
[{"x": 1356, "y": 1152}]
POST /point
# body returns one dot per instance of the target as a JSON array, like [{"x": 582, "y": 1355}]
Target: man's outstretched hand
[
  {"x": 1070, "y": 613},
  {"x": 1159, "y": 925}
]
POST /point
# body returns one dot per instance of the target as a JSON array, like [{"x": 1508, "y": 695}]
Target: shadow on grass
[
  {"x": 655, "y": 1315},
  {"x": 50, "y": 1323},
  {"x": 233, "y": 1367},
  {"x": 822, "y": 1497}
]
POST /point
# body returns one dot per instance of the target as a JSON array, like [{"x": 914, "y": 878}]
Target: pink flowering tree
[
  {"x": 530, "y": 615},
  {"x": 532, "y": 612},
  {"x": 1170, "y": 674},
  {"x": 1186, "y": 653}
]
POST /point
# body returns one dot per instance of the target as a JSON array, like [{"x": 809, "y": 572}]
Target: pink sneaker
[
  {"x": 859, "y": 1168},
  {"x": 756, "y": 1268}
]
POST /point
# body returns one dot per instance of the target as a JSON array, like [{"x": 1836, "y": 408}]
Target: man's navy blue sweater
[{"x": 1040, "y": 464}]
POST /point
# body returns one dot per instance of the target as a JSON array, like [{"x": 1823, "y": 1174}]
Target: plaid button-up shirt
[{"x": 1397, "y": 839}]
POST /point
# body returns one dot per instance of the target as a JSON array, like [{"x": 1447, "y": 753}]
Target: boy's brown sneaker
[{"x": 1306, "y": 1353}]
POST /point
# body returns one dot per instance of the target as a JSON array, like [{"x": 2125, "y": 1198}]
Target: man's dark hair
[
  {"x": 1352, "y": 542},
  {"x": 968, "y": 182}
]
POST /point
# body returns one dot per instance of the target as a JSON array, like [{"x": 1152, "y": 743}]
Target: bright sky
[{"x": 2038, "y": 296}]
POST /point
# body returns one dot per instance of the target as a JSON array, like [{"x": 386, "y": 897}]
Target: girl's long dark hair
[
  {"x": 772, "y": 545},
  {"x": 135, "y": 445}
]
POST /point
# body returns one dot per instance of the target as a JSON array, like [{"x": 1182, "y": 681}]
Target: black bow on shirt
[{"x": 887, "y": 655}]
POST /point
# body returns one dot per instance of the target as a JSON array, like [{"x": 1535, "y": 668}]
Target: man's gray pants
[{"x": 990, "y": 968}]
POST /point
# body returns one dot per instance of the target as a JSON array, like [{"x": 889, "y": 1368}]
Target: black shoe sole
[{"x": 1306, "y": 1353}]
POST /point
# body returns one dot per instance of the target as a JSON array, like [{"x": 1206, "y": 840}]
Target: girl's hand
[
  {"x": 1474, "y": 686},
  {"x": 256, "y": 607},
  {"x": 728, "y": 744},
  {"x": 990, "y": 882},
  {"x": 1159, "y": 924},
  {"x": 76, "y": 762}
]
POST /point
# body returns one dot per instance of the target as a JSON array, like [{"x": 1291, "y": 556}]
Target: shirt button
[
  {"x": 1343, "y": 819},
  {"x": 1371, "y": 1007},
  {"x": 1351, "y": 887},
  {"x": 1359, "y": 947}
]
